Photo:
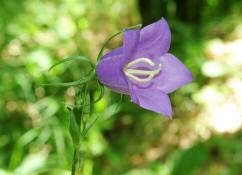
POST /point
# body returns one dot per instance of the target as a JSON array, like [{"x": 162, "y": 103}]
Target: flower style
[{"x": 143, "y": 69}]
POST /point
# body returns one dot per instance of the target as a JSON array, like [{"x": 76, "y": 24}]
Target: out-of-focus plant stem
[{"x": 73, "y": 170}]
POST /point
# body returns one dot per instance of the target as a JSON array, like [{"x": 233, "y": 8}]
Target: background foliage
[{"x": 204, "y": 137}]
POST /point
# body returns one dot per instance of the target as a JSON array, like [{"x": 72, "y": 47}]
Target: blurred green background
[{"x": 204, "y": 137}]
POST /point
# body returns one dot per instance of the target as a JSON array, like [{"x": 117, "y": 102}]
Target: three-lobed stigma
[{"x": 132, "y": 73}]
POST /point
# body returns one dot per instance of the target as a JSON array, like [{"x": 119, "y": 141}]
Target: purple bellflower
[{"x": 143, "y": 69}]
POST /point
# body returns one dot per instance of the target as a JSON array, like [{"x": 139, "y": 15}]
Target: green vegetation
[{"x": 204, "y": 136}]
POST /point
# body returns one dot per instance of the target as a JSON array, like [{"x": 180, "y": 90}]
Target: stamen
[{"x": 151, "y": 73}]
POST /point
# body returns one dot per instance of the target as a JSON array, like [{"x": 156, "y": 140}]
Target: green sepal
[
  {"x": 74, "y": 128},
  {"x": 101, "y": 88},
  {"x": 113, "y": 36},
  {"x": 80, "y": 58},
  {"x": 83, "y": 80}
]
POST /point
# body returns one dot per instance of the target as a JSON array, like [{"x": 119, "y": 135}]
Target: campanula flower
[{"x": 143, "y": 69}]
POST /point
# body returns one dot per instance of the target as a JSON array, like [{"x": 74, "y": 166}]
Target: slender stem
[{"x": 73, "y": 170}]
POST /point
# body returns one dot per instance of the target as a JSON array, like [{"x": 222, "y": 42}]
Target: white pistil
[{"x": 151, "y": 73}]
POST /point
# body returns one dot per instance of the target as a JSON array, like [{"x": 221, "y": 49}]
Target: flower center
[{"x": 132, "y": 73}]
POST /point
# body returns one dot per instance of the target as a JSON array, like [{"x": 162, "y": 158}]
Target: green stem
[{"x": 73, "y": 170}]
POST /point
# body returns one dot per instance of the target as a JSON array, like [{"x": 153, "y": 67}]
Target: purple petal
[
  {"x": 114, "y": 53},
  {"x": 110, "y": 71},
  {"x": 110, "y": 67},
  {"x": 174, "y": 74},
  {"x": 130, "y": 43},
  {"x": 155, "y": 40},
  {"x": 154, "y": 100}
]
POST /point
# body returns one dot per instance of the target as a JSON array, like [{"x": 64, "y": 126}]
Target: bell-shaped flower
[{"x": 143, "y": 69}]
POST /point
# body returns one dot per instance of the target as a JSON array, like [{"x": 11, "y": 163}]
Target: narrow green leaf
[
  {"x": 74, "y": 128},
  {"x": 90, "y": 126},
  {"x": 86, "y": 108},
  {"x": 21, "y": 143},
  {"x": 77, "y": 110},
  {"x": 80, "y": 58},
  {"x": 107, "y": 114},
  {"x": 84, "y": 80}
]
